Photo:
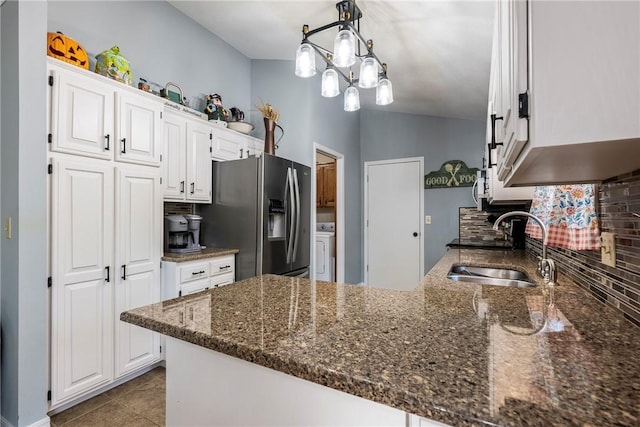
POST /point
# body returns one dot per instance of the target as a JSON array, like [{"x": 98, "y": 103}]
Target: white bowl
[{"x": 242, "y": 127}]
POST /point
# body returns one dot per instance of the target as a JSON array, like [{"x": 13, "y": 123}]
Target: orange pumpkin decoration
[{"x": 67, "y": 49}]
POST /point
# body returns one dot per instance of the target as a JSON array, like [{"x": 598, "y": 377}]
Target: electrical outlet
[
  {"x": 427, "y": 219},
  {"x": 608, "y": 249}
]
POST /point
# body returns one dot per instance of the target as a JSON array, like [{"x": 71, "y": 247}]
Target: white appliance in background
[{"x": 325, "y": 252}]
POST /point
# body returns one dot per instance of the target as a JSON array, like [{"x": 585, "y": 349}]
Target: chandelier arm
[{"x": 323, "y": 28}]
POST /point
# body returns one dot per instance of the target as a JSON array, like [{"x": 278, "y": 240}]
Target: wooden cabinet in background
[{"x": 326, "y": 185}]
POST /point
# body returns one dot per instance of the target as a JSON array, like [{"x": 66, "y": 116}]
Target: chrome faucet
[{"x": 546, "y": 267}]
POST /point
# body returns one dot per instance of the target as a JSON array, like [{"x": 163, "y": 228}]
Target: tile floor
[{"x": 136, "y": 403}]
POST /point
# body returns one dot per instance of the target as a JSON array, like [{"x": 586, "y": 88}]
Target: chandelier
[{"x": 349, "y": 47}]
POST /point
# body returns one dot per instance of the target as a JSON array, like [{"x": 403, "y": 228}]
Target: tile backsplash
[
  {"x": 178, "y": 208},
  {"x": 619, "y": 287}
]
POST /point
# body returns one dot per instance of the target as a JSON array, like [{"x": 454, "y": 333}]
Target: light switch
[
  {"x": 608, "y": 249},
  {"x": 427, "y": 219}
]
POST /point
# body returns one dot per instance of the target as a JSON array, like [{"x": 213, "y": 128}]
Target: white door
[
  {"x": 81, "y": 115},
  {"x": 393, "y": 226},
  {"x": 138, "y": 261},
  {"x": 82, "y": 276},
  {"x": 198, "y": 161},
  {"x": 173, "y": 157},
  {"x": 139, "y": 129}
]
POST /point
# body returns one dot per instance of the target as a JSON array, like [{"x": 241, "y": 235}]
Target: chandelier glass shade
[
  {"x": 330, "y": 83},
  {"x": 349, "y": 48},
  {"x": 384, "y": 92},
  {"x": 305, "y": 61},
  {"x": 351, "y": 99}
]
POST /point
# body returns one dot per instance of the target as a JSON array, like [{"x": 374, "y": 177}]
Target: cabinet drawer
[
  {"x": 194, "y": 286},
  {"x": 195, "y": 271},
  {"x": 222, "y": 280},
  {"x": 222, "y": 265}
]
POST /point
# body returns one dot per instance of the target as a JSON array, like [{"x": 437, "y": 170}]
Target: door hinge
[
  {"x": 160, "y": 157},
  {"x": 161, "y": 180},
  {"x": 50, "y": 80},
  {"x": 49, "y": 281},
  {"x": 49, "y": 395},
  {"x": 180, "y": 293},
  {"x": 160, "y": 349},
  {"x": 367, "y": 267},
  {"x": 211, "y": 136},
  {"x": 160, "y": 114},
  {"x": 50, "y": 168},
  {"x": 49, "y": 138},
  {"x": 523, "y": 105}
]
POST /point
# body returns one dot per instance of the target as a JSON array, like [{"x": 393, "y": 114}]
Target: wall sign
[{"x": 452, "y": 174}]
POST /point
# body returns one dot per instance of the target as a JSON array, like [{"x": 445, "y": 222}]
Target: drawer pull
[
  {"x": 223, "y": 267},
  {"x": 198, "y": 272}
]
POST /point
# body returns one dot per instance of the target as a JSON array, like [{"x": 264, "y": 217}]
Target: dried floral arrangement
[{"x": 268, "y": 112}]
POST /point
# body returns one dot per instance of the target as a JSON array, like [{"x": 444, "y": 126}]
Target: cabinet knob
[{"x": 415, "y": 234}]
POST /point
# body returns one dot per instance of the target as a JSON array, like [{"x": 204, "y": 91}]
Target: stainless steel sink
[{"x": 490, "y": 276}]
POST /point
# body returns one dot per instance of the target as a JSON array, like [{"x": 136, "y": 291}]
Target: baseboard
[{"x": 45, "y": 422}]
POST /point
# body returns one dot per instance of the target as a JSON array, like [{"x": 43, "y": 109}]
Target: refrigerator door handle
[
  {"x": 289, "y": 189},
  {"x": 297, "y": 232}
]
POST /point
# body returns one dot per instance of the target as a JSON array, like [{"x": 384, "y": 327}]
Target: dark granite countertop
[
  {"x": 203, "y": 254},
  {"x": 459, "y": 353}
]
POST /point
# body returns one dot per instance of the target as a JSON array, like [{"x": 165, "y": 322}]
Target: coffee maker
[{"x": 182, "y": 233}]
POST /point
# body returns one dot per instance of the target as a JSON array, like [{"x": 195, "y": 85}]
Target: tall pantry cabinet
[{"x": 105, "y": 228}]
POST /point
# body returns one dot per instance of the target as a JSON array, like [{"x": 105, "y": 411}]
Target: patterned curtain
[{"x": 570, "y": 215}]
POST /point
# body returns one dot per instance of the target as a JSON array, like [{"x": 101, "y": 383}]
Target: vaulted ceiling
[{"x": 438, "y": 51}]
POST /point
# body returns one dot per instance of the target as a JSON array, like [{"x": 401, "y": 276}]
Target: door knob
[{"x": 415, "y": 234}]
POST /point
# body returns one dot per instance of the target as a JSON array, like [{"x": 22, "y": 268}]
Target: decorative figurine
[
  {"x": 214, "y": 108},
  {"x": 111, "y": 64},
  {"x": 67, "y": 49}
]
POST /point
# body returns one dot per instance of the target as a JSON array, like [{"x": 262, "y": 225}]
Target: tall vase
[{"x": 269, "y": 143}]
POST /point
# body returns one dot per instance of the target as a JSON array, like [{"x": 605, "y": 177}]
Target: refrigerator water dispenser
[{"x": 276, "y": 219}]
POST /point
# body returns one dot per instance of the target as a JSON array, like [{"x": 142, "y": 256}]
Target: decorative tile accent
[
  {"x": 618, "y": 287},
  {"x": 178, "y": 208}
]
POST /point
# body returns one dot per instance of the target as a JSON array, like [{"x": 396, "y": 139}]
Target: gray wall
[
  {"x": 308, "y": 118},
  {"x": 161, "y": 43},
  {"x": 23, "y": 282},
  {"x": 386, "y": 136}
]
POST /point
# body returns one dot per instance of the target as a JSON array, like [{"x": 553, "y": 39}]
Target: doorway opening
[{"x": 328, "y": 240}]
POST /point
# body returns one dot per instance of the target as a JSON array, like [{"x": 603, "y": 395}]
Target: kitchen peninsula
[{"x": 457, "y": 353}]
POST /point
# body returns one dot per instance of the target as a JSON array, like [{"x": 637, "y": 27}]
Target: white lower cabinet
[
  {"x": 105, "y": 250},
  {"x": 184, "y": 278},
  {"x": 137, "y": 256}
]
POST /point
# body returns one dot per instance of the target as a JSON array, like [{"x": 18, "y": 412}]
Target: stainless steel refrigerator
[{"x": 261, "y": 206}]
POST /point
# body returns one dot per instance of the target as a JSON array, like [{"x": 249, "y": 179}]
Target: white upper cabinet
[
  {"x": 139, "y": 129},
  {"x": 570, "y": 92},
  {"x": 81, "y": 116},
  {"x": 174, "y": 151},
  {"x": 186, "y": 159},
  {"x": 199, "y": 161},
  {"x": 92, "y": 116},
  {"x": 230, "y": 145}
]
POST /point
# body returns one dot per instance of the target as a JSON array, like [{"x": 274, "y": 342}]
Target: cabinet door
[
  {"x": 329, "y": 186},
  {"x": 81, "y": 114},
  {"x": 174, "y": 174},
  {"x": 198, "y": 162},
  {"x": 226, "y": 144},
  {"x": 319, "y": 186},
  {"x": 513, "y": 81},
  {"x": 82, "y": 276},
  {"x": 139, "y": 129},
  {"x": 139, "y": 214}
]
